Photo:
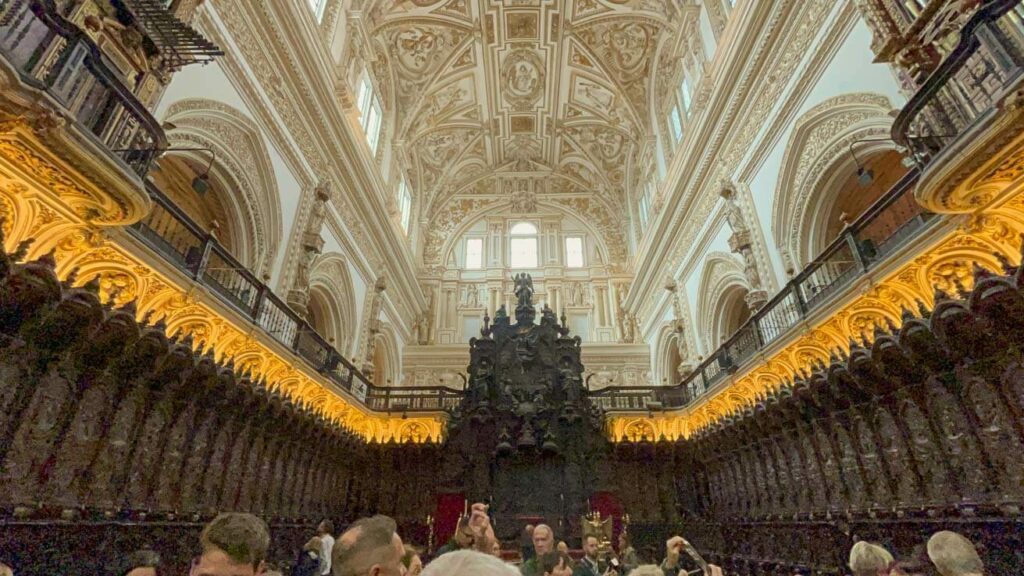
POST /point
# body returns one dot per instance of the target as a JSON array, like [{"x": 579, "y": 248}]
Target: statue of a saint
[
  {"x": 524, "y": 289},
  {"x": 733, "y": 212}
]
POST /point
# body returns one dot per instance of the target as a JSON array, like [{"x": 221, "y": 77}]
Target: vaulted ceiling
[{"x": 551, "y": 100}]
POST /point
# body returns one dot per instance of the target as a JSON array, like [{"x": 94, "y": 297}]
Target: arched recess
[
  {"x": 721, "y": 308},
  {"x": 386, "y": 360},
  {"x": 840, "y": 197},
  {"x": 816, "y": 164},
  {"x": 242, "y": 173},
  {"x": 667, "y": 358},
  {"x": 332, "y": 302}
]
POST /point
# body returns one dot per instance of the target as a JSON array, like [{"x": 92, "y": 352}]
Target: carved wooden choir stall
[{"x": 114, "y": 435}]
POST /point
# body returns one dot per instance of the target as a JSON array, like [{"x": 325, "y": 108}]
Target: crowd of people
[{"x": 237, "y": 544}]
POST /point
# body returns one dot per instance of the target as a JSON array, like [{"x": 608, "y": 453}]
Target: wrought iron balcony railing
[
  {"x": 177, "y": 238},
  {"x": 963, "y": 90},
  {"x": 987, "y": 61},
  {"x": 889, "y": 223},
  {"x": 55, "y": 56}
]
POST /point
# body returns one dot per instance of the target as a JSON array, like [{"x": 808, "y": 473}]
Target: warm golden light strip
[
  {"x": 32, "y": 204},
  {"x": 976, "y": 239}
]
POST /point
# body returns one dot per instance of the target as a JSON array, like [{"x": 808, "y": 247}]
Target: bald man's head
[
  {"x": 954, "y": 555},
  {"x": 543, "y": 539},
  {"x": 371, "y": 546}
]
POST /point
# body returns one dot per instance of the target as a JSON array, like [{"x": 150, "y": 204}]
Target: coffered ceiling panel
[{"x": 559, "y": 93}]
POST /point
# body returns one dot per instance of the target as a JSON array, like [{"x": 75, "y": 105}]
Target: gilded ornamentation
[
  {"x": 947, "y": 266},
  {"x": 125, "y": 276}
]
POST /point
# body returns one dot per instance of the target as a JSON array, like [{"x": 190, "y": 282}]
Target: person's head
[
  {"x": 562, "y": 547},
  {"x": 917, "y": 563},
  {"x": 543, "y": 539},
  {"x": 412, "y": 561},
  {"x": 5, "y": 570},
  {"x": 314, "y": 544},
  {"x": 590, "y": 546},
  {"x": 325, "y": 528},
  {"x": 468, "y": 563},
  {"x": 868, "y": 559},
  {"x": 139, "y": 563},
  {"x": 233, "y": 544},
  {"x": 464, "y": 536},
  {"x": 370, "y": 547},
  {"x": 529, "y": 530},
  {"x": 647, "y": 570},
  {"x": 554, "y": 563},
  {"x": 954, "y": 555}
]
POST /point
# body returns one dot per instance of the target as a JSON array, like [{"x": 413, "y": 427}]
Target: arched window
[{"x": 523, "y": 246}]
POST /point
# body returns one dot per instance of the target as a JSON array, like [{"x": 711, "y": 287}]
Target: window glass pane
[
  {"x": 523, "y": 253},
  {"x": 474, "y": 253},
  {"x": 405, "y": 202},
  {"x": 523, "y": 228},
  {"x": 676, "y": 124},
  {"x": 365, "y": 92},
  {"x": 373, "y": 126},
  {"x": 318, "y": 7},
  {"x": 574, "y": 252},
  {"x": 686, "y": 94}
]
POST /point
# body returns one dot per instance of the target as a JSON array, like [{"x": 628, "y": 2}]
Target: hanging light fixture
[
  {"x": 865, "y": 176},
  {"x": 201, "y": 182}
]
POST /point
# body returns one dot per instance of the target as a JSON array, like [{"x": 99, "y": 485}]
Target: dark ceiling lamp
[
  {"x": 865, "y": 175},
  {"x": 201, "y": 182}
]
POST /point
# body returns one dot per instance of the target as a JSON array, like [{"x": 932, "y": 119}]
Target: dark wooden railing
[
  {"x": 174, "y": 235},
  {"x": 54, "y": 55},
  {"x": 878, "y": 232},
  {"x": 988, "y": 60}
]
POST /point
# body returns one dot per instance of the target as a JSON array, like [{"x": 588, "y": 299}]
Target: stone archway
[
  {"x": 242, "y": 167},
  {"x": 818, "y": 149},
  {"x": 722, "y": 308}
]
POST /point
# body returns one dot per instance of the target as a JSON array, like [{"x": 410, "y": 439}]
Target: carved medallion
[{"x": 522, "y": 77}]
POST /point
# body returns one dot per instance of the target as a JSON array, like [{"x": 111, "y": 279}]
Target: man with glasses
[
  {"x": 370, "y": 547},
  {"x": 233, "y": 544}
]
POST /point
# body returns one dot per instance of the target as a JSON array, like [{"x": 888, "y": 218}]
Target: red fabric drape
[
  {"x": 449, "y": 508},
  {"x": 608, "y": 504}
]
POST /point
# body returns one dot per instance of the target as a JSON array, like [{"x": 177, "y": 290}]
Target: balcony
[
  {"x": 69, "y": 113},
  {"x": 965, "y": 126},
  {"x": 183, "y": 244},
  {"x": 865, "y": 244}
]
